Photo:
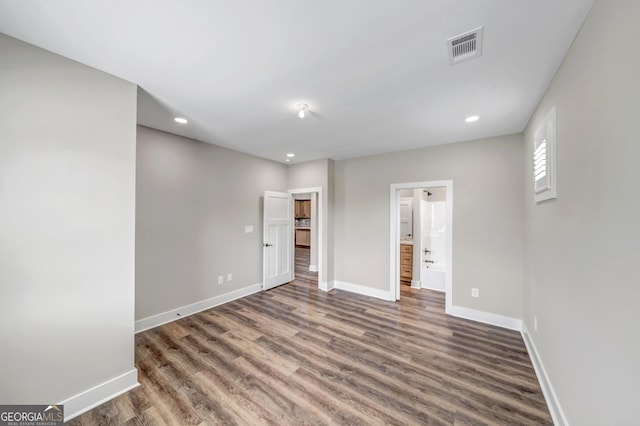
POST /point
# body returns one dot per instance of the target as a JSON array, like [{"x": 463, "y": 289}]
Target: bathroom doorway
[{"x": 421, "y": 217}]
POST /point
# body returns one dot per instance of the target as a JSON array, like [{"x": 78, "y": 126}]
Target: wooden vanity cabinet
[{"x": 406, "y": 262}]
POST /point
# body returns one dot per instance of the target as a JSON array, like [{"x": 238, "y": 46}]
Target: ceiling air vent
[{"x": 465, "y": 46}]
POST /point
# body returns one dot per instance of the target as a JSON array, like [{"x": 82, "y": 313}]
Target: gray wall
[
  {"x": 67, "y": 216},
  {"x": 331, "y": 208},
  {"x": 193, "y": 202},
  {"x": 583, "y": 248},
  {"x": 487, "y": 217},
  {"x": 308, "y": 174}
]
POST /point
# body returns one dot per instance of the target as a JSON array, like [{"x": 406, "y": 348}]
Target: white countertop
[
  {"x": 407, "y": 242},
  {"x": 303, "y": 227}
]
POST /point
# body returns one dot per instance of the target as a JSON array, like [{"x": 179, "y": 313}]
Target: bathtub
[{"x": 434, "y": 277}]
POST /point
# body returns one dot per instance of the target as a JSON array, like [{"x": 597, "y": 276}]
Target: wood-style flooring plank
[{"x": 295, "y": 355}]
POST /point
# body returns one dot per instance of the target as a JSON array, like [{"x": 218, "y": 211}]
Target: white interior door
[{"x": 277, "y": 239}]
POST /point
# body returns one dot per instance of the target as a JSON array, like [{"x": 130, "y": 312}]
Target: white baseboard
[
  {"x": 326, "y": 286},
  {"x": 183, "y": 311},
  {"x": 416, "y": 283},
  {"x": 557, "y": 414},
  {"x": 485, "y": 317},
  {"x": 426, "y": 287},
  {"x": 364, "y": 290},
  {"x": 313, "y": 268},
  {"x": 100, "y": 394}
]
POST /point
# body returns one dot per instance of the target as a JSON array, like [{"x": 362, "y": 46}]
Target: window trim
[{"x": 544, "y": 165}]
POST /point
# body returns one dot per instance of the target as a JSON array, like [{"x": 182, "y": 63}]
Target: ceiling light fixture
[
  {"x": 472, "y": 119},
  {"x": 291, "y": 155},
  {"x": 181, "y": 120},
  {"x": 302, "y": 108}
]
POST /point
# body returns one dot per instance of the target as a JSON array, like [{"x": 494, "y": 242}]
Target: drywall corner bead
[{"x": 544, "y": 159}]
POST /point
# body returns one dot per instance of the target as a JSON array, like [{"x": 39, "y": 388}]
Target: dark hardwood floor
[{"x": 296, "y": 355}]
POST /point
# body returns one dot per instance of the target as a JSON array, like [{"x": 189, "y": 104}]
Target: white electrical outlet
[
  {"x": 229, "y": 277},
  {"x": 535, "y": 323},
  {"x": 475, "y": 292},
  {"x": 220, "y": 279}
]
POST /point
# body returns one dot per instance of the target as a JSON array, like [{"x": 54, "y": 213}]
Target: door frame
[
  {"x": 321, "y": 244},
  {"x": 394, "y": 236}
]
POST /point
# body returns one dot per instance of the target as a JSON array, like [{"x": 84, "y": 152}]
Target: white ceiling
[{"x": 375, "y": 74}]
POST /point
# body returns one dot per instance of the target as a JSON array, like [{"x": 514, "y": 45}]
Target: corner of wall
[
  {"x": 98, "y": 395},
  {"x": 549, "y": 393}
]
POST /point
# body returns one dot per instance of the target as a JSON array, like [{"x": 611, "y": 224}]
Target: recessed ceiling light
[
  {"x": 472, "y": 118},
  {"x": 181, "y": 120},
  {"x": 291, "y": 155}
]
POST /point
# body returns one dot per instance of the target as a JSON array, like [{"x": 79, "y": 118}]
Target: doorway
[
  {"x": 313, "y": 228},
  {"x": 305, "y": 230},
  {"x": 400, "y": 240}
]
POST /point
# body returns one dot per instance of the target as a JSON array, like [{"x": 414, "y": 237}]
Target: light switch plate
[{"x": 248, "y": 229}]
